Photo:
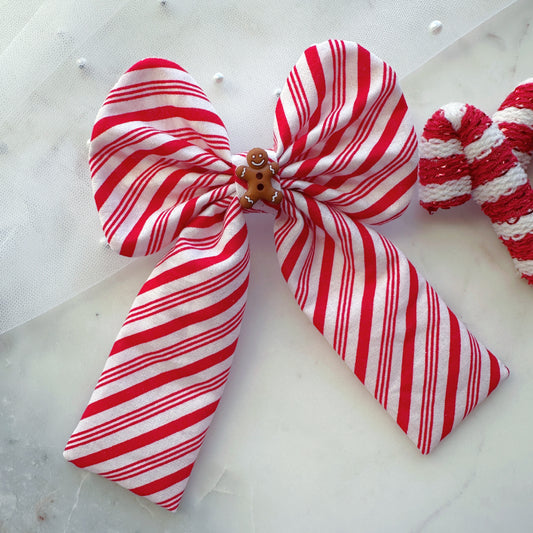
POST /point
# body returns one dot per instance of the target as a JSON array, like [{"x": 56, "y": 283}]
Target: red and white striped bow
[
  {"x": 465, "y": 153},
  {"x": 163, "y": 175}
]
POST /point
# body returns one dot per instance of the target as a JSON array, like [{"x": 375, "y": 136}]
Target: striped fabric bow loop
[
  {"x": 344, "y": 156},
  {"x": 465, "y": 153}
]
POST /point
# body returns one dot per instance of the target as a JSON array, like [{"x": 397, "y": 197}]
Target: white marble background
[{"x": 297, "y": 443}]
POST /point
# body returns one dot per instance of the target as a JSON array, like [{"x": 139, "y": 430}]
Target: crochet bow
[{"x": 344, "y": 156}]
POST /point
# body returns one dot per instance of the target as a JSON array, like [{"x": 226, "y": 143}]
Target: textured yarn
[
  {"x": 163, "y": 175},
  {"x": 465, "y": 153}
]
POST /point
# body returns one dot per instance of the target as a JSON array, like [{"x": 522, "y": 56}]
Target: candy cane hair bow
[
  {"x": 344, "y": 156},
  {"x": 465, "y": 153}
]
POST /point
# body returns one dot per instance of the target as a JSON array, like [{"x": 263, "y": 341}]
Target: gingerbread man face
[
  {"x": 257, "y": 158},
  {"x": 258, "y": 175}
]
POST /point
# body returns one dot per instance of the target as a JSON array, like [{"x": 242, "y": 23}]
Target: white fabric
[{"x": 49, "y": 230}]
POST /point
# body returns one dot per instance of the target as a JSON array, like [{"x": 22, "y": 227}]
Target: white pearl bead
[
  {"x": 218, "y": 77},
  {"x": 435, "y": 27},
  {"x": 81, "y": 62}
]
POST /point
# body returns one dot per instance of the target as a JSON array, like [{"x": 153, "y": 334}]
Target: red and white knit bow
[
  {"x": 465, "y": 153},
  {"x": 163, "y": 175}
]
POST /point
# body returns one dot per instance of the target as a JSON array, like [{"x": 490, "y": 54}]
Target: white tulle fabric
[{"x": 58, "y": 60}]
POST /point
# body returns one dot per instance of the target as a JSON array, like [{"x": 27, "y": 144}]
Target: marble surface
[{"x": 297, "y": 443}]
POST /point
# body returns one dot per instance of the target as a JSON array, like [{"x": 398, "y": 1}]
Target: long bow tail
[
  {"x": 347, "y": 149},
  {"x": 162, "y": 174},
  {"x": 467, "y": 154}
]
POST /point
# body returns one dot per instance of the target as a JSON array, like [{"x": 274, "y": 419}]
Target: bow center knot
[{"x": 256, "y": 179}]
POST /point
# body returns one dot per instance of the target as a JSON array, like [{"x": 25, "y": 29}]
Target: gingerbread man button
[{"x": 258, "y": 175}]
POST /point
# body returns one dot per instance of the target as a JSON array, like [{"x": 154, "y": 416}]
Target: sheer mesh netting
[{"x": 59, "y": 59}]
